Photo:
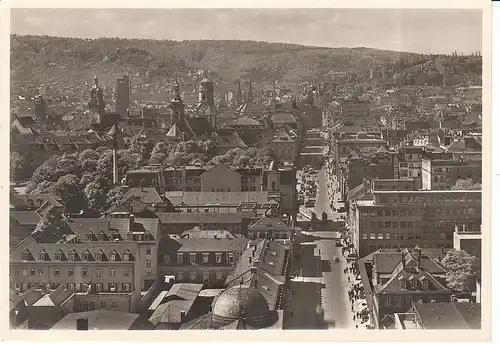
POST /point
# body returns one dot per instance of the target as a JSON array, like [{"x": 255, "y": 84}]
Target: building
[
  {"x": 395, "y": 280},
  {"x": 97, "y": 320},
  {"x": 201, "y": 260},
  {"x": 440, "y": 316},
  {"x": 442, "y": 174},
  {"x": 405, "y": 218},
  {"x": 80, "y": 121},
  {"x": 269, "y": 227},
  {"x": 284, "y": 147},
  {"x": 177, "y": 223},
  {"x": 122, "y": 96},
  {"x": 355, "y": 109},
  {"x": 97, "y": 103},
  {"x": 107, "y": 273},
  {"x": 468, "y": 240}
]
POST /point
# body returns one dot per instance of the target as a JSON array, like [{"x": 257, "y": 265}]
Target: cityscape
[{"x": 243, "y": 185}]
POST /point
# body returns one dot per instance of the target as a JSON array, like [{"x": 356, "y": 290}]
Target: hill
[{"x": 70, "y": 62}]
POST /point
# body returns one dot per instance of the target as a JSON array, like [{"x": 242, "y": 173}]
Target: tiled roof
[
  {"x": 147, "y": 195},
  {"x": 266, "y": 223},
  {"x": 244, "y": 121},
  {"x": 98, "y": 320},
  {"x": 448, "y": 316},
  {"x": 197, "y": 218},
  {"x": 83, "y": 226},
  {"x": 283, "y": 118},
  {"x": 230, "y": 141},
  {"x": 211, "y": 245},
  {"x": 25, "y": 218},
  {"x": 198, "y": 232}
]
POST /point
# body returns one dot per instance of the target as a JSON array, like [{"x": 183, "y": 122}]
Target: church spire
[{"x": 176, "y": 91}]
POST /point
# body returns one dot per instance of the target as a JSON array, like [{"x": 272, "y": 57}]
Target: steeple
[
  {"x": 250, "y": 92},
  {"x": 177, "y": 94},
  {"x": 177, "y": 105}
]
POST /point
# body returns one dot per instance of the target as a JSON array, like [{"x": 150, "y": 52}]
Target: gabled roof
[
  {"x": 25, "y": 218},
  {"x": 283, "y": 118},
  {"x": 199, "y": 126},
  {"x": 147, "y": 195},
  {"x": 448, "y": 316},
  {"x": 174, "y": 132},
  {"x": 98, "y": 320},
  {"x": 232, "y": 140},
  {"x": 266, "y": 223}
]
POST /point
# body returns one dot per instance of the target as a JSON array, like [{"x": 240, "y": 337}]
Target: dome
[{"x": 241, "y": 302}]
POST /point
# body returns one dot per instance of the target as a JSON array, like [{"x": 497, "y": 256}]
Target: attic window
[
  {"x": 403, "y": 284},
  {"x": 58, "y": 256},
  {"x": 98, "y": 256},
  {"x": 25, "y": 256},
  {"x": 413, "y": 284},
  {"x": 71, "y": 256},
  {"x": 85, "y": 256},
  {"x": 42, "y": 256},
  {"x": 425, "y": 284},
  {"x": 113, "y": 256}
]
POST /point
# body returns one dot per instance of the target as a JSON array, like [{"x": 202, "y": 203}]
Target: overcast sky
[{"x": 426, "y": 31}]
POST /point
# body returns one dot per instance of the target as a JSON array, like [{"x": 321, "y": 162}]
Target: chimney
[
  {"x": 442, "y": 250},
  {"x": 403, "y": 259},
  {"x": 130, "y": 222},
  {"x": 183, "y": 316},
  {"x": 82, "y": 324},
  {"x": 250, "y": 260}
]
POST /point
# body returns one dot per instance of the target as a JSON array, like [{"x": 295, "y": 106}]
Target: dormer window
[
  {"x": 85, "y": 256},
  {"x": 71, "y": 256},
  {"x": 402, "y": 284},
  {"x": 42, "y": 256},
  {"x": 25, "y": 255},
  {"x": 58, "y": 256},
  {"x": 425, "y": 284},
  {"x": 413, "y": 284}
]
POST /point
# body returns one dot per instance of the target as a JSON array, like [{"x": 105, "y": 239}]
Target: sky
[{"x": 421, "y": 31}]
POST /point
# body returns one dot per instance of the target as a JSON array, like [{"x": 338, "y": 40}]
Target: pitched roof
[
  {"x": 174, "y": 132},
  {"x": 199, "y": 125},
  {"x": 266, "y": 223},
  {"x": 222, "y": 198},
  {"x": 199, "y": 232},
  {"x": 243, "y": 122},
  {"x": 211, "y": 244},
  {"x": 283, "y": 118},
  {"x": 282, "y": 136},
  {"x": 82, "y": 226},
  {"x": 25, "y": 218},
  {"x": 232, "y": 140},
  {"x": 147, "y": 195},
  {"x": 197, "y": 218}
]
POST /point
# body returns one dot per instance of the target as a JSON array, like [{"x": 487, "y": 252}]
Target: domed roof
[{"x": 241, "y": 302}]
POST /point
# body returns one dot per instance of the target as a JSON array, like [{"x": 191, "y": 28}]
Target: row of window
[
  {"x": 113, "y": 237},
  {"x": 78, "y": 287},
  {"x": 439, "y": 198},
  {"x": 90, "y": 306},
  {"x": 85, "y": 256},
  {"x": 193, "y": 258},
  {"x": 193, "y": 276},
  {"x": 245, "y": 179},
  {"x": 409, "y": 300},
  {"x": 420, "y": 212},
  {"x": 71, "y": 271},
  {"x": 405, "y": 236}
]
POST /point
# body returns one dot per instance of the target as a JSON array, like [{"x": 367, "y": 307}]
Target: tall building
[
  {"x": 96, "y": 103},
  {"x": 122, "y": 96},
  {"x": 206, "y": 105}
]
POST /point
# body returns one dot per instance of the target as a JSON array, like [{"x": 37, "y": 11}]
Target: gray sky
[{"x": 426, "y": 31}]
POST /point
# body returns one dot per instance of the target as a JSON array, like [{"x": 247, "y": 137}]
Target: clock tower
[{"x": 206, "y": 105}]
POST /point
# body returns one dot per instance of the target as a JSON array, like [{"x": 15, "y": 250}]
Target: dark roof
[
  {"x": 199, "y": 125},
  {"x": 230, "y": 141},
  {"x": 240, "y": 302},
  {"x": 82, "y": 226},
  {"x": 25, "y": 218},
  {"x": 114, "y": 131},
  {"x": 222, "y": 198},
  {"x": 266, "y": 223},
  {"x": 244, "y": 121},
  {"x": 98, "y": 320},
  {"x": 147, "y": 195},
  {"x": 449, "y": 316}
]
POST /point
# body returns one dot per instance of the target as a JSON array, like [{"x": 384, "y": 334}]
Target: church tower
[
  {"x": 177, "y": 105},
  {"x": 97, "y": 103},
  {"x": 206, "y": 104}
]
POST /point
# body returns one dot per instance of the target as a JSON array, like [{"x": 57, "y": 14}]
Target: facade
[
  {"x": 122, "y": 96},
  {"x": 442, "y": 174},
  {"x": 355, "y": 109},
  {"x": 284, "y": 147},
  {"x": 269, "y": 227},
  {"x": 406, "y": 218},
  {"x": 468, "y": 240},
  {"x": 206, "y": 261},
  {"x": 177, "y": 223},
  {"x": 79, "y": 121}
]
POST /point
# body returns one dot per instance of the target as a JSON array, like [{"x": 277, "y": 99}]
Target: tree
[
  {"x": 466, "y": 184},
  {"x": 68, "y": 189},
  {"x": 462, "y": 270}
]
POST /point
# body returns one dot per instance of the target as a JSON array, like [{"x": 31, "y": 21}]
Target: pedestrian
[
  {"x": 352, "y": 308},
  {"x": 348, "y": 279},
  {"x": 354, "y": 318},
  {"x": 356, "y": 326}
]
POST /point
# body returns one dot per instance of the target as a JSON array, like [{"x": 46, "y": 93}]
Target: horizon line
[{"x": 243, "y": 40}]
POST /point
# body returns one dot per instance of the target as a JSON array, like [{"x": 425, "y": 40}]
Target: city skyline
[{"x": 389, "y": 29}]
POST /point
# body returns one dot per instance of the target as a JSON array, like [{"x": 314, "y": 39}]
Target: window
[
  {"x": 103, "y": 304},
  {"x": 84, "y": 272},
  {"x": 98, "y": 287},
  {"x": 397, "y": 301},
  {"x": 17, "y": 271},
  {"x": 148, "y": 263},
  {"x": 85, "y": 256},
  {"x": 206, "y": 276},
  {"x": 192, "y": 276},
  {"x": 205, "y": 258},
  {"x": 180, "y": 276},
  {"x": 56, "y": 272},
  {"x": 70, "y": 272},
  {"x": 41, "y": 256},
  {"x": 112, "y": 272},
  {"x": 365, "y": 236},
  {"x": 166, "y": 258},
  {"x": 25, "y": 256},
  {"x": 402, "y": 284},
  {"x": 179, "y": 258},
  {"x": 388, "y": 301},
  {"x": 98, "y": 256},
  {"x": 372, "y": 236},
  {"x": 98, "y": 272},
  {"x": 148, "y": 250},
  {"x": 395, "y": 236},
  {"x": 218, "y": 258},
  {"x": 409, "y": 301},
  {"x": 112, "y": 256},
  {"x": 425, "y": 284},
  {"x": 113, "y": 303},
  {"x": 40, "y": 271},
  {"x": 387, "y": 224},
  {"x": 126, "y": 286},
  {"x": 413, "y": 284},
  {"x": 71, "y": 256},
  {"x": 32, "y": 272},
  {"x": 230, "y": 258},
  {"x": 126, "y": 273},
  {"x": 192, "y": 258},
  {"x": 380, "y": 236}
]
